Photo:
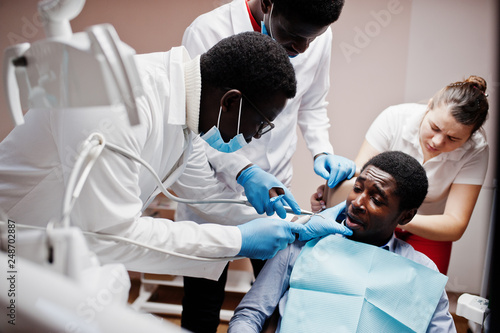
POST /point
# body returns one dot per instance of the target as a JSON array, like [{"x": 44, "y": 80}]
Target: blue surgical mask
[
  {"x": 264, "y": 29},
  {"x": 214, "y": 138}
]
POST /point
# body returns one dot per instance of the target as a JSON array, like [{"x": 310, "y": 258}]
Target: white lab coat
[
  {"x": 37, "y": 157},
  {"x": 273, "y": 151}
]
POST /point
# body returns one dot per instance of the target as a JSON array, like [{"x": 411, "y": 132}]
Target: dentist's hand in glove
[
  {"x": 258, "y": 184},
  {"x": 324, "y": 223},
  {"x": 263, "y": 238},
  {"x": 334, "y": 168}
]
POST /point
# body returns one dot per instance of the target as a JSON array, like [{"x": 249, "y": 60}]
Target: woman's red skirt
[{"x": 437, "y": 251}]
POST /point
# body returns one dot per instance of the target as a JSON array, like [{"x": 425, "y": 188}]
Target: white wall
[{"x": 385, "y": 52}]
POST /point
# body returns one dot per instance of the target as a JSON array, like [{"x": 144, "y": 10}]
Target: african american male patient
[{"x": 367, "y": 282}]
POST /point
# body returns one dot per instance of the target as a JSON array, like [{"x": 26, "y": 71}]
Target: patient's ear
[{"x": 407, "y": 216}]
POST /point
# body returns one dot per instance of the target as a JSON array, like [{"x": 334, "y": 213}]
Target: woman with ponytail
[{"x": 446, "y": 137}]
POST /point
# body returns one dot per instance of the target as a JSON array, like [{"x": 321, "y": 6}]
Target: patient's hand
[{"x": 317, "y": 202}]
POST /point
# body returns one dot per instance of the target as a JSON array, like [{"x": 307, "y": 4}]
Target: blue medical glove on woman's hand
[
  {"x": 263, "y": 238},
  {"x": 257, "y": 184},
  {"x": 324, "y": 223},
  {"x": 334, "y": 168}
]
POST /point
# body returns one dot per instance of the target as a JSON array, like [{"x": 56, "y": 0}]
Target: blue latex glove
[
  {"x": 257, "y": 184},
  {"x": 263, "y": 238},
  {"x": 334, "y": 168},
  {"x": 324, "y": 223}
]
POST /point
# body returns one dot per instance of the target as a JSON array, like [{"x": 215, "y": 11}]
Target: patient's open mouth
[{"x": 352, "y": 223}]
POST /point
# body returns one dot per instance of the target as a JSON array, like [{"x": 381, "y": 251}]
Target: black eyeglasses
[{"x": 264, "y": 126}]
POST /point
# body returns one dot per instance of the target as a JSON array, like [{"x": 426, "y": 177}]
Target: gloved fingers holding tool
[
  {"x": 334, "y": 168},
  {"x": 323, "y": 223},
  {"x": 279, "y": 198},
  {"x": 265, "y": 192}
]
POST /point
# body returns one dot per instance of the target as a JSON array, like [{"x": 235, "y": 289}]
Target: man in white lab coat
[
  {"x": 183, "y": 97},
  {"x": 302, "y": 27}
]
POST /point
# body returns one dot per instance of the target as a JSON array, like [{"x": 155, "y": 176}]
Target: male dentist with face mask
[
  {"x": 215, "y": 140},
  {"x": 183, "y": 97}
]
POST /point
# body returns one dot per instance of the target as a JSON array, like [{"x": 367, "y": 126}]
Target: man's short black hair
[
  {"x": 409, "y": 174},
  {"x": 320, "y": 12},
  {"x": 250, "y": 62}
]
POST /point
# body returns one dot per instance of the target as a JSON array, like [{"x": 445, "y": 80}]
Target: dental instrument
[
  {"x": 123, "y": 152},
  {"x": 304, "y": 219}
]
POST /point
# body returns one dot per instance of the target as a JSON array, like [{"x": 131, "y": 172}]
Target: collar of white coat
[
  {"x": 239, "y": 17},
  {"x": 411, "y": 134},
  {"x": 184, "y": 96}
]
